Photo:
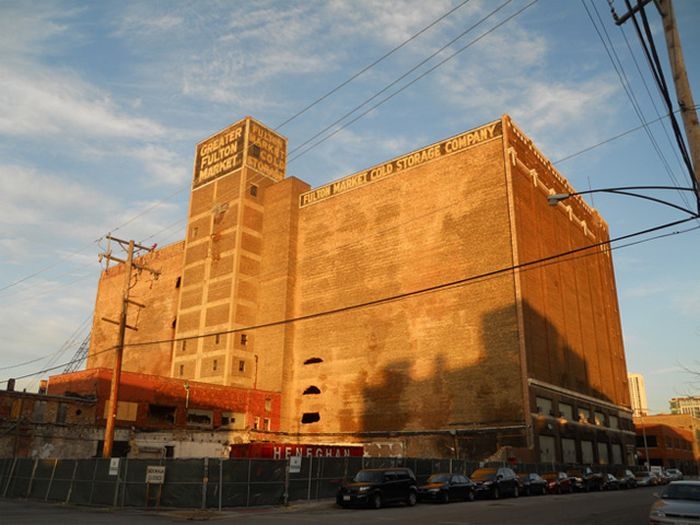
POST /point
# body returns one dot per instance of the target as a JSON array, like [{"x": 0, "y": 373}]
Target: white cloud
[
  {"x": 28, "y": 30},
  {"x": 43, "y": 102},
  {"x": 163, "y": 164}
]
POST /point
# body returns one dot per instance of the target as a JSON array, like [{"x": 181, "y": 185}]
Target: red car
[{"x": 558, "y": 482}]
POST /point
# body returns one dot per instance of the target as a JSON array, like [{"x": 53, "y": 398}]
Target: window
[
  {"x": 268, "y": 405},
  {"x": 311, "y": 390},
  {"x": 182, "y": 370},
  {"x": 184, "y": 345},
  {"x": 217, "y": 339},
  {"x": 599, "y": 418},
  {"x": 61, "y": 413},
  {"x": 199, "y": 418},
  {"x": 584, "y": 415},
  {"x": 244, "y": 339},
  {"x": 255, "y": 151},
  {"x": 313, "y": 360},
  {"x": 566, "y": 411},
  {"x": 266, "y": 423},
  {"x": 214, "y": 365},
  {"x": 161, "y": 414},
  {"x": 256, "y": 423},
  {"x": 310, "y": 417},
  {"x": 241, "y": 366},
  {"x": 544, "y": 406},
  {"x": 253, "y": 190},
  {"x": 178, "y": 282},
  {"x": 613, "y": 422}
]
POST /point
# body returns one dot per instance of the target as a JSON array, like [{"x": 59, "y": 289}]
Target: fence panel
[
  {"x": 21, "y": 476},
  {"x": 41, "y": 478},
  {"x": 234, "y": 483},
  {"x": 61, "y": 480}
]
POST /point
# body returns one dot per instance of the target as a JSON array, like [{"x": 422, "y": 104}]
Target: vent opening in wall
[
  {"x": 312, "y": 360},
  {"x": 312, "y": 390}
]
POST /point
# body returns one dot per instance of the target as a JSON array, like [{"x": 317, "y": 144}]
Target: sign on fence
[
  {"x": 114, "y": 466},
  {"x": 155, "y": 475}
]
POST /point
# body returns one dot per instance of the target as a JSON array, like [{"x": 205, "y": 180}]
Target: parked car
[
  {"x": 533, "y": 484},
  {"x": 446, "y": 487},
  {"x": 576, "y": 477},
  {"x": 677, "y": 503},
  {"x": 378, "y": 487},
  {"x": 627, "y": 479},
  {"x": 647, "y": 479},
  {"x": 673, "y": 474},
  {"x": 496, "y": 482},
  {"x": 586, "y": 480},
  {"x": 610, "y": 482},
  {"x": 558, "y": 482}
]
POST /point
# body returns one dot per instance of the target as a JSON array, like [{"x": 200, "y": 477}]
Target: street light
[{"x": 556, "y": 198}]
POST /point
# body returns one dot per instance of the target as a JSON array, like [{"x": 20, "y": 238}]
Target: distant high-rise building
[
  {"x": 685, "y": 405},
  {"x": 638, "y": 395}
]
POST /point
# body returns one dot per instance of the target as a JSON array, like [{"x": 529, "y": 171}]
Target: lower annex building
[{"x": 434, "y": 305}]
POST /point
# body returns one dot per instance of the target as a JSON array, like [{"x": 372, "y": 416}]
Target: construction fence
[
  {"x": 202, "y": 483},
  {"x": 206, "y": 483}
]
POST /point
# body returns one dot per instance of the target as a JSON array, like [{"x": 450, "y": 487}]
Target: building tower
[
  {"x": 222, "y": 253},
  {"x": 638, "y": 395}
]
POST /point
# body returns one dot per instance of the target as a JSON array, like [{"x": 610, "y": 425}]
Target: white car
[
  {"x": 678, "y": 503},
  {"x": 673, "y": 474}
]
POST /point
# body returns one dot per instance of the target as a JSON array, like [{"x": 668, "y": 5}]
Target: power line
[
  {"x": 425, "y": 73},
  {"x": 394, "y": 82},
  {"x": 552, "y": 259},
  {"x": 459, "y": 282},
  {"x": 370, "y": 66}
]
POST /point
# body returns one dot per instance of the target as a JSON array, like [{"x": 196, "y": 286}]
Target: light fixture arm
[{"x": 555, "y": 198}]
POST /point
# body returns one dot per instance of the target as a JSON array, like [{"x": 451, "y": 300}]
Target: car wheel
[
  {"x": 377, "y": 501},
  {"x": 470, "y": 495},
  {"x": 496, "y": 495},
  {"x": 411, "y": 499},
  {"x": 445, "y": 497},
  {"x": 516, "y": 491},
  {"x": 543, "y": 491}
]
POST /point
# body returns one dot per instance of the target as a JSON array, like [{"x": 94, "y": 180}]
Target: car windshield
[
  {"x": 483, "y": 474},
  {"x": 439, "y": 478},
  {"x": 368, "y": 476},
  {"x": 681, "y": 491}
]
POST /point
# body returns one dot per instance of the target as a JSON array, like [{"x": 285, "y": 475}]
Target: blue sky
[{"x": 102, "y": 104}]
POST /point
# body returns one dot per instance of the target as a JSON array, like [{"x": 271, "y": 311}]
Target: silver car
[{"x": 678, "y": 503}]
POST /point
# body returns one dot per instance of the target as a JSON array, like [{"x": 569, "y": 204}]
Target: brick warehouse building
[{"x": 416, "y": 307}]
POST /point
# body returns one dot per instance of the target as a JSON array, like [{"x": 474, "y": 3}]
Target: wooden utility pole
[
  {"x": 117, "y": 368},
  {"x": 680, "y": 77},
  {"x": 680, "y": 80}
]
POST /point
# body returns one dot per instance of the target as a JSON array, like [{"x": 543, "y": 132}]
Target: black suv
[
  {"x": 377, "y": 487},
  {"x": 496, "y": 482}
]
